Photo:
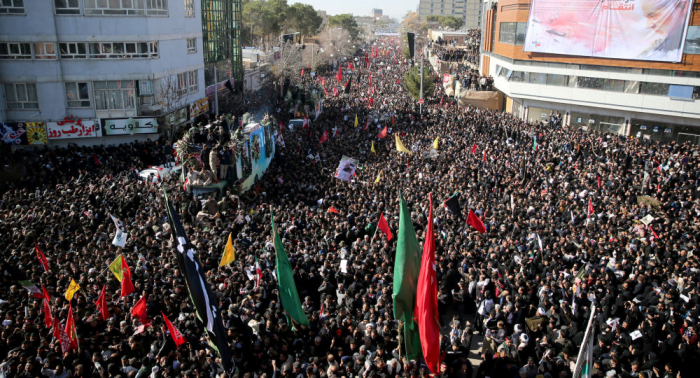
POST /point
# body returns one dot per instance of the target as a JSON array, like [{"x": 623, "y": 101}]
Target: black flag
[
  {"x": 452, "y": 204},
  {"x": 205, "y": 303},
  {"x": 347, "y": 86}
]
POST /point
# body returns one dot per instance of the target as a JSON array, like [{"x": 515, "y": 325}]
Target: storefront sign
[
  {"x": 130, "y": 126},
  {"x": 177, "y": 117},
  {"x": 22, "y": 133},
  {"x": 73, "y": 127},
  {"x": 199, "y": 107}
]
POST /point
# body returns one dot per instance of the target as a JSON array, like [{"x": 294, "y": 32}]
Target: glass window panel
[
  {"x": 21, "y": 91},
  {"x": 10, "y": 93},
  {"x": 537, "y": 78},
  {"x": 521, "y": 28},
  {"x": 613, "y": 85},
  {"x": 558, "y": 80},
  {"x": 692, "y": 40},
  {"x": 631, "y": 86},
  {"x": 31, "y": 92}
]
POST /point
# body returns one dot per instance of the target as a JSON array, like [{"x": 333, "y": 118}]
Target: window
[
  {"x": 191, "y": 45},
  {"x": 21, "y": 96},
  {"x": 182, "y": 83},
  {"x": 613, "y": 85},
  {"x": 193, "y": 81},
  {"x": 67, "y": 6},
  {"x": 692, "y": 40},
  {"x": 189, "y": 8},
  {"x": 507, "y": 33},
  {"x": 657, "y": 89},
  {"x": 517, "y": 76},
  {"x": 631, "y": 86},
  {"x": 114, "y": 7},
  {"x": 558, "y": 80},
  {"x": 44, "y": 50},
  {"x": 14, "y": 50},
  {"x": 121, "y": 50},
  {"x": 72, "y": 50},
  {"x": 117, "y": 95},
  {"x": 11, "y": 6},
  {"x": 520, "y": 30},
  {"x": 157, "y": 7},
  {"x": 77, "y": 95},
  {"x": 537, "y": 78}
]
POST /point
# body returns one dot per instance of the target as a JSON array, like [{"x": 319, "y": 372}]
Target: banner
[
  {"x": 199, "y": 107},
  {"x": 23, "y": 133},
  {"x": 130, "y": 126},
  {"x": 620, "y": 29},
  {"x": 73, "y": 127},
  {"x": 346, "y": 168}
]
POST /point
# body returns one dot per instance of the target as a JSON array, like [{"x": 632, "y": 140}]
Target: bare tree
[
  {"x": 171, "y": 94},
  {"x": 290, "y": 62}
]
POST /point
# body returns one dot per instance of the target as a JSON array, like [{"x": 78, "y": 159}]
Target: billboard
[
  {"x": 23, "y": 133},
  {"x": 651, "y": 30},
  {"x": 130, "y": 126},
  {"x": 73, "y": 127}
]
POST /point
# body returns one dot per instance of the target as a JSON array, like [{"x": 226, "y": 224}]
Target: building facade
[
  {"x": 377, "y": 13},
  {"x": 221, "y": 34},
  {"x": 111, "y": 67},
  {"x": 467, "y": 10},
  {"x": 639, "y": 98}
]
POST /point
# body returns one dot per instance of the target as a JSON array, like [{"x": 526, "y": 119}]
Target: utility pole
[
  {"x": 312, "y": 56},
  {"x": 421, "y": 84},
  {"x": 216, "y": 92}
]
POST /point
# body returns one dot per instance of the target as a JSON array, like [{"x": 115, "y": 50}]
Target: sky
[{"x": 392, "y": 8}]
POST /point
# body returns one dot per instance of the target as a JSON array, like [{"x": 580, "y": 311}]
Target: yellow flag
[
  {"x": 373, "y": 151},
  {"x": 356, "y": 123},
  {"x": 379, "y": 177},
  {"x": 72, "y": 289},
  {"x": 435, "y": 143},
  {"x": 229, "y": 254},
  {"x": 399, "y": 145},
  {"x": 116, "y": 267}
]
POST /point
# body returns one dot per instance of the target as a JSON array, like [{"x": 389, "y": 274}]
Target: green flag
[
  {"x": 285, "y": 280},
  {"x": 534, "y": 144},
  {"x": 406, "y": 268}
]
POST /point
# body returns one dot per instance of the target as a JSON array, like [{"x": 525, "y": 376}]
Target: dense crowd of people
[{"x": 573, "y": 220}]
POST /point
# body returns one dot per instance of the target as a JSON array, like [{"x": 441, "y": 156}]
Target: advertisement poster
[
  {"x": 130, "y": 126},
  {"x": 23, "y": 133},
  {"x": 199, "y": 107},
  {"x": 651, "y": 30},
  {"x": 346, "y": 168},
  {"x": 73, "y": 127}
]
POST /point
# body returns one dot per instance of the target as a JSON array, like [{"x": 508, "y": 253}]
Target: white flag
[{"x": 121, "y": 235}]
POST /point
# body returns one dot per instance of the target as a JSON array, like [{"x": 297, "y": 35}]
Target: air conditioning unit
[{"x": 145, "y": 88}]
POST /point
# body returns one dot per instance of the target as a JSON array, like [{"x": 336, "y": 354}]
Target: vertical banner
[{"x": 621, "y": 29}]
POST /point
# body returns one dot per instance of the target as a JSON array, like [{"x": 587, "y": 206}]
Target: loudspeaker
[{"x": 411, "y": 41}]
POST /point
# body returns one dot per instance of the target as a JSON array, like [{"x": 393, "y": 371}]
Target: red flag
[
  {"x": 393, "y": 119},
  {"x": 474, "y": 148},
  {"x": 484, "y": 159},
  {"x": 384, "y": 133},
  {"x": 184, "y": 186},
  {"x": 305, "y": 125},
  {"x": 441, "y": 99},
  {"x": 325, "y": 91},
  {"x": 366, "y": 125},
  {"x": 371, "y": 101},
  {"x": 370, "y": 80},
  {"x": 176, "y": 335},
  {"x": 42, "y": 258},
  {"x": 324, "y": 137},
  {"x": 475, "y": 222},
  {"x": 367, "y": 60},
  {"x": 70, "y": 330},
  {"x": 335, "y": 91},
  {"x": 397, "y": 80},
  {"x": 127, "y": 286},
  {"x": 590, "y": 207},
  {"x": 281, "y": 127},
  {"x": 102, "y": 304},
  {"x": 339, "y": 75},
  {"x": 97, "y": 161},
  {"x": 333, "y": 210},
  {"x": 139, "y": 311},
  {"x": 48, "y": 320},
  {"x": 426, "y": 310},
  {"x": 598, "y": 182},
  {"x": 653, "y": 232},
  {"x": 323, "y": 82},
  {"x": 384, "y": 227}
]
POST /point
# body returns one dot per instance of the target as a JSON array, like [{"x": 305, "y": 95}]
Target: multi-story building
[
  {"x": 376, "y": 13},
  {"x": 467, "y": 10},
  {"x": 221, "y": 28},
  {"x": 646, "y": 87},
  {"x": 97, "y": 69}
]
